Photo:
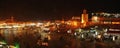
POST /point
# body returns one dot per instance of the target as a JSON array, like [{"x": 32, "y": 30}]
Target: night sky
[{"x": 26, "y": 10}]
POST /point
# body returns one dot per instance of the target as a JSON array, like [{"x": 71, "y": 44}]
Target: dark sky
[{"x": 53, "y": 9}]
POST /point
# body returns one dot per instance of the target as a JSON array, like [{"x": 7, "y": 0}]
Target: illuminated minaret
[{"x": 84, "y": 17}]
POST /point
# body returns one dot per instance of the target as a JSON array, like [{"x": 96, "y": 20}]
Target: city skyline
[
  {"x": 51, "y": 10},
  {"x": 59, "y": 24}
]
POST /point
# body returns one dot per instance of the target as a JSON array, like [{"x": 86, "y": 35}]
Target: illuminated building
[
  {"x": 106, "y": 18},
  {"x": 95, "y": 19},
  {"x": 84, "y": 18},
  {"x": 75, "y": 18}
]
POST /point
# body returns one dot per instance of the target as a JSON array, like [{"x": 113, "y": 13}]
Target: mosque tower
[{"x": 84, "y": 17}]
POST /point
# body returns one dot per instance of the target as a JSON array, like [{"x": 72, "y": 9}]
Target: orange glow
[
  {"x": 62, "y": 21},
  {"x": 75, "y": 23},
  {"x": 115, "y": 22},
  {"x": 84, "y": 24}
]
